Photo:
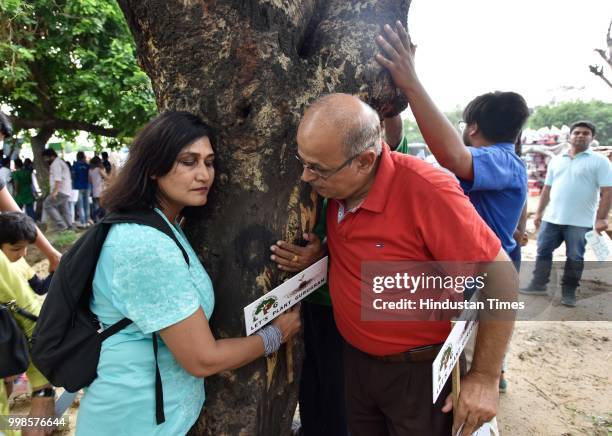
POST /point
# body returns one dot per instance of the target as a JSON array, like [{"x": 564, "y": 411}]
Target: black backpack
[
  {"x": 67, "y": 339},
  {"x": 14, "y": 358}
]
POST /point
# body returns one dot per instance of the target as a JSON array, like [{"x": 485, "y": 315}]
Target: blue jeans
[
  {"x": 97, "y": 213},
  {"x": 550, "y": 238},
  {"x": 83, "y": 205}
]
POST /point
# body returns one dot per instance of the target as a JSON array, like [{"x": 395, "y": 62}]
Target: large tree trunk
[
  {"x": 249, "y": 68},
  {"x": 42, "y": 170}
]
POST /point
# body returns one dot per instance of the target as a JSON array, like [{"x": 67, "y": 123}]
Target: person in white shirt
[
  {"x": 97, "y": 178},
  {"x": 57, "y": 205}
]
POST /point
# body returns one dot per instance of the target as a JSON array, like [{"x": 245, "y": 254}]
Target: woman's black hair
[{"x": 153, "y": 153}]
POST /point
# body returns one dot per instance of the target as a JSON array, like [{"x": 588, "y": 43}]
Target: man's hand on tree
[
  {"x": 478, "y": 401},
  {"x": 398, "y": 56},
  {"x": 293, "y": 258}
]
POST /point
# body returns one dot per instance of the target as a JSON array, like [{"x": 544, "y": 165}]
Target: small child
[{"x": 17, "y": 231}]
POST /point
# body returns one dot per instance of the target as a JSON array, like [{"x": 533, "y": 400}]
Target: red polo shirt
[{"x": 413, "y": 211}]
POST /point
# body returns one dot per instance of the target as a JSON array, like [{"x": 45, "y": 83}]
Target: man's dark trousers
[
  {"x": 393, "y": 398},
  {"x": 322, "y": 406}
]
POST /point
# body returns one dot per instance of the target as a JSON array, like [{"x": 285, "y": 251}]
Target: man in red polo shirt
[{"x": 386, "y": 207}]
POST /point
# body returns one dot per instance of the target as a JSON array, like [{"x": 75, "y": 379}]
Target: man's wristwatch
[{"x": 45, "y": 393}]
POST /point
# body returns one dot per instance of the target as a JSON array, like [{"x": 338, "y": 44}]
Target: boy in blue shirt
[
  {"x": 489, "y": 170},
  {"x": 484, "y": 160}
]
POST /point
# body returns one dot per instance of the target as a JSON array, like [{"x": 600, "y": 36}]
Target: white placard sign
[
  {"x": 600, "y": 244},
  {"x": 485, "y": 430},
  {"x": 451, "y": 350},
  {"x": 266, "y": 308}
]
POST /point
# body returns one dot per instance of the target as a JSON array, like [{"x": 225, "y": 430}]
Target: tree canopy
[
  {"x": 69, "y": 66},
  {"x": 598, "y": 112}
]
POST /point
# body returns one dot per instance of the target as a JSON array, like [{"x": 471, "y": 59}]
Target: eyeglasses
[{"x": 326, "y": 174}]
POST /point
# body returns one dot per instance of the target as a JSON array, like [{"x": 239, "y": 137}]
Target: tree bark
[
  {"x": 249, "y": 68},
  {"x": 42, "y": 170}
]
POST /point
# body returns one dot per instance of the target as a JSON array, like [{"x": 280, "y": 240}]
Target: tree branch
[
  {"x": 598, "y": 71},
  {"x": 604, "y": 56},
  {"x": 57, "y": 124}
]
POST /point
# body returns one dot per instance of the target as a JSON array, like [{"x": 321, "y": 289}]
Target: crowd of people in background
[{"x": 74, "y": 188}]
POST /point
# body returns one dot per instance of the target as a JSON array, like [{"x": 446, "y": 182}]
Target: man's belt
[{"x": 420, "y": 354}]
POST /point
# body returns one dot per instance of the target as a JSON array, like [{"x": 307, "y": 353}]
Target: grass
[
  {"x": 63, "y": 240},
  {"x": 602, "y": 424}
]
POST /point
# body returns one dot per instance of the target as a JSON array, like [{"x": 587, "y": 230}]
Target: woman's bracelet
[{"x": 272, "y": 338}]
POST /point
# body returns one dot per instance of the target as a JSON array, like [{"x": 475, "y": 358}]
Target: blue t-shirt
[
  {"x": 499, "y": 189},
  {"x": 575, "y": 183},
  {"x": 141, "y": 274},
  {"x": 80, "y": 175}
]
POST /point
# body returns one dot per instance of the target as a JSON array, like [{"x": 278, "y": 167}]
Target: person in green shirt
[{"x": 22, "y": 182}]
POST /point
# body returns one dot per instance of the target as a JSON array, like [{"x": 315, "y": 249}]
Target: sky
[{"x": 541, "y": 49}]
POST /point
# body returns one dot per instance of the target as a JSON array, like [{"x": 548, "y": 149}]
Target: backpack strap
[
  {"x": 147, "y": 218},
  {"x": 119, "y": 325},
  {"x": 159, "y": 392},
  {"x": 12, "y": 306}
]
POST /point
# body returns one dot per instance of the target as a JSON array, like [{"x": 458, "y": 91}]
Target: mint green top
[{"x": 141, "y": 274}]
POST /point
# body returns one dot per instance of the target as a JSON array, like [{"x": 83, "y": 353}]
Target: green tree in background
[
  {"x": 413, "y": 134},
  {"x": 598, "y": 112},
  {"x": 68, "y": 66}
]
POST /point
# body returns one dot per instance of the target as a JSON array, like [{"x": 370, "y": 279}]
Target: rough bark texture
[
  {"x": 249, "y": 68},
  {"x": 42, "y": 170}
]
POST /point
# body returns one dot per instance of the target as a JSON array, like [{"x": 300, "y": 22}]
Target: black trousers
[{"x": 322, "y": 406}]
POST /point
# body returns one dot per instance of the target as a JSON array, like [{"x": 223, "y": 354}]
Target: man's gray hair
[{"x": 363, "y": 133}]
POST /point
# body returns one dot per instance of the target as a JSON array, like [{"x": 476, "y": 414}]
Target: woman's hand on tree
[{"x": 289, "y": 322}]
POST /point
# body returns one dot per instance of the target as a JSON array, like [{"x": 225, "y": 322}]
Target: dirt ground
[{"x": 558, "y": 372}]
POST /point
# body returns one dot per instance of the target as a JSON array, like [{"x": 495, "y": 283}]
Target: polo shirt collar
[
  {"x": 508, "y": 146},
  {"x": 377, "y": 197},
  {"x": 588, "y": 151}
]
